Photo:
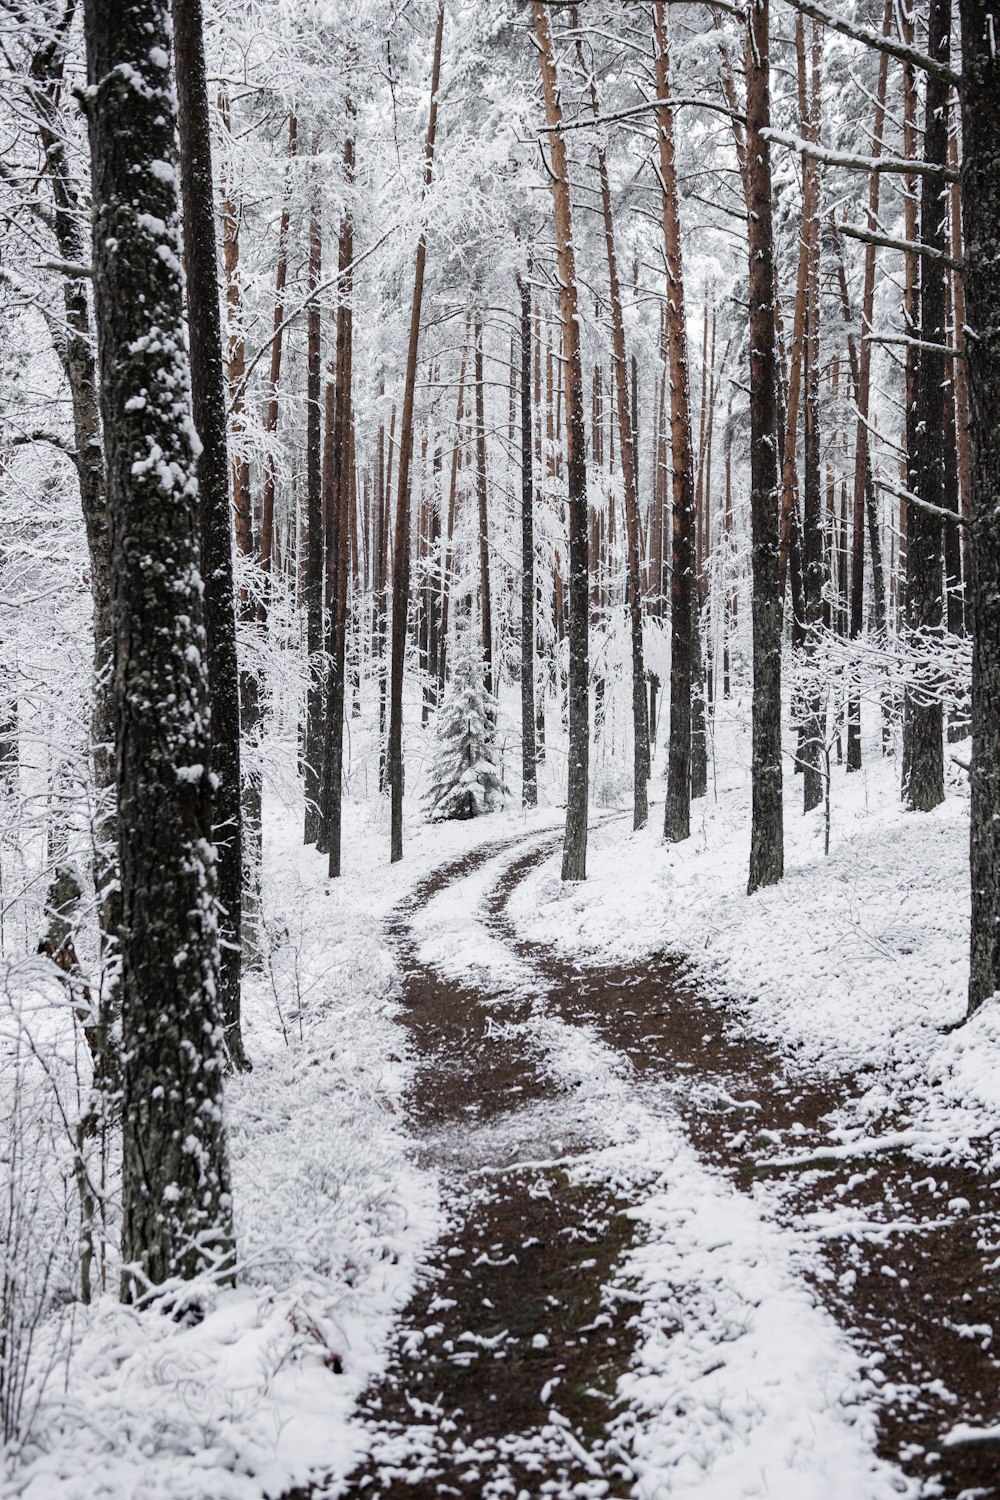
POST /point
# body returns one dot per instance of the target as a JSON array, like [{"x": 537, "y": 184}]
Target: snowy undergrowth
[
  {"x": 856, "y": 960},
  {"x": 333, "y": 1218}
]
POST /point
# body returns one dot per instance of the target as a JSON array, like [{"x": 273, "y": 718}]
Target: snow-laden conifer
[{"x": 465, "y": 778}]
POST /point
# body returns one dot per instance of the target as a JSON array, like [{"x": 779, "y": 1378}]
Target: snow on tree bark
[
  {"x": 176, "y": 1207},
  {"x": 208, "y": 394},
  {"x": 766, "y": 827},
  {"x": 981, "y": 210}
]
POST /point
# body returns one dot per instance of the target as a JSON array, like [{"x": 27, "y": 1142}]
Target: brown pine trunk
[
  {"x": 683, "y": 589},
  {"x": 315, "y": 540},
  {"x": 812, "y": 728},
  {"x": 482, "y": 503},
  {"x": 766, "y": 830},
  {"x": 574, "y": 863},
  {"x": 923, "y": 725},
  {"x": 267, "y": 537},
  {"x": 627, "y": 443},
  {"x": 401, "y": 557}
]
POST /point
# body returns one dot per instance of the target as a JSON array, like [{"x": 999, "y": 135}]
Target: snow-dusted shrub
[{"x": 465, "y": 779}]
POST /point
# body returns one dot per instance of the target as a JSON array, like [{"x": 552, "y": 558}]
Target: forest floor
[
  {"x": 663, "y": 1270},
  {"x": 636, "y": 1186}
]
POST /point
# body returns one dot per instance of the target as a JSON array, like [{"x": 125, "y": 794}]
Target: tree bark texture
[
  {"x": 767, "y": 828},
  {"x": 981, "y": 200},
  {"x": 923, "y": 718},
  {"x": 574, "y": 861},
  {"x": 529, "y": 770},
  {"x": 401, "y": 552},
  {"x": 208, "y": 393},
  {"x": 176, "y": 1207}
]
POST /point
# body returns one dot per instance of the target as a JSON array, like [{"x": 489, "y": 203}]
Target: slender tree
[
  {"x": 767, "y": 828},
  {"x": 574, "y": 862},
  {"x": 981, "y": 210},
  {"x": 529, "y": 771},
  {"x": 401, "y": 553},
  {"x": 923, "y": 718},
  {"x": 176, "y": 1209}
]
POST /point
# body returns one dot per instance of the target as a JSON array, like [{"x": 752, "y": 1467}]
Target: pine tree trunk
[
  {"x": 401, "y": 554},
  {"x": 766, "y": 830},
  {"x": 176, "y": 1204},
  {"x": 683, "y": 593},
  {"x": 626, "y": 433},
  {"x": 529, "y": 772},
  {"x": 482, "y": 503},
  {"x": 208, "y": 392},
  {"x": 315, "y": 548},
  {"x": 981, "y": 211},
  {"x": 574, "y": 862},
  {"x": 271, "y": 414},
  {"x": 923, "y": 720}
]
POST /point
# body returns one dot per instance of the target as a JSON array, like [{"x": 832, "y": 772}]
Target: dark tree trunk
[
  {"x": 340, "y": 500},
  {"x": 208, "y": 393},
  {"x": 482, "y": 502},
  {"x": 627, "y": 433},
  {"x": 314, "y": 536},
  {"x": 766, "y": 831},
  {"x": 401, "y": 555},
  {"x": 574, "y": 861},
  {"x": 683, "y": 593},
  {"x": 271, "y": 415},
  {"x": 923, "y": 720},
  {"x": 981, "y": 210},
  {"x": 176, "y": 1206},
  {"x": 529, "y": 773}
]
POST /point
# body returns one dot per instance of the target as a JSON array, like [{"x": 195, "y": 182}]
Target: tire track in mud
[
  {"x": 501, "y": 1379},
  {"x": 925, "y": 1295}
]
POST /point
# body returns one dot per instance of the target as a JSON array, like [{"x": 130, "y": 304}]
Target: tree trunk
[
  {"x": 574, "y": 861},
  {"x": 981, "y": 212},
  {"x": 208, "y": 393},
  {"x": 627, "y": 437},
  {"x": 683, "y": 594},
  {"x": 401, "y": 557},
  {"x": 923, "y": 727},
  {"x": 482, "y": 503},
  {"x": 176, "y": 1204},
  {"x": 529, "y": 772},
  {"x": 766, "y": 830},
  {"x": 271, "y": 415},
  {"x": 313, "y": 581}
]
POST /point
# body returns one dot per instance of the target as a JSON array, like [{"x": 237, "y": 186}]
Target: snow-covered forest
[{"x": 499, "y": 749}]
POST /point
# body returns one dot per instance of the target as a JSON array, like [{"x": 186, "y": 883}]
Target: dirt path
[{"x": 501, "y": 1380}]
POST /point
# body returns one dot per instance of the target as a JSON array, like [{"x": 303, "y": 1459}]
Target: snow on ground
[
  {"x": 856, "y": 960},
  {"x": 333, "y": 1218},
  {"x": 742, "y": 1384}
]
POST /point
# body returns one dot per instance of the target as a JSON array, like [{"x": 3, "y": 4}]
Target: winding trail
[{"x": 503, "y": 1378}]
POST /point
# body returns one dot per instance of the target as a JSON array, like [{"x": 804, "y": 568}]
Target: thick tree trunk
[
  {"x": 208, "y": 392},
  {"x": 176, "y": 1204},
  {"x": 401, "y": 557},
  {"x": 529, "y": 772},
  {"x": 923, "y": 720},
  {"x": 574, "y": 861},
  {"x": 766, "y": 831},
  {"x": 683, "y": 594},
  {"x": 981, "y": 209}
]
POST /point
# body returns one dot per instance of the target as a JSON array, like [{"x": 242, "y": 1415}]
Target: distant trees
[{"x": 176, "y": 1207}]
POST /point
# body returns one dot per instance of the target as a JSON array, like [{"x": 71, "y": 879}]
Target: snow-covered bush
[{"x": 465, "y": 779}]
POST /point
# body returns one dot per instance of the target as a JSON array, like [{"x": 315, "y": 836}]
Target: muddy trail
[{"x": 502, "y": 1377}]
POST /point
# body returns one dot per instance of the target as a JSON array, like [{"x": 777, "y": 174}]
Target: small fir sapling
[{"x": 465, "y": 778}]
